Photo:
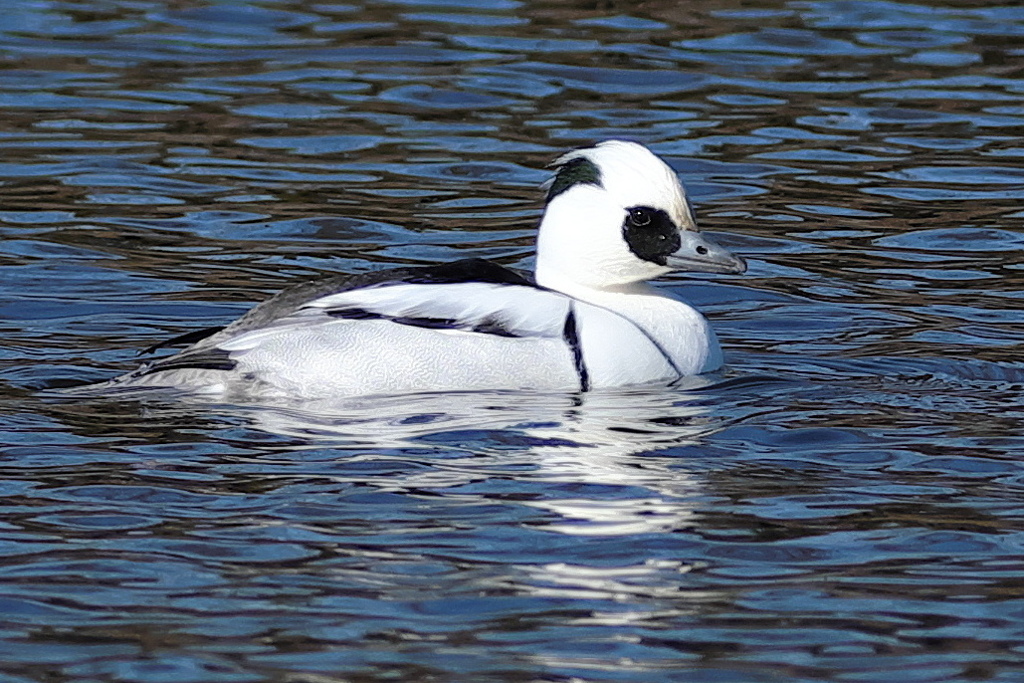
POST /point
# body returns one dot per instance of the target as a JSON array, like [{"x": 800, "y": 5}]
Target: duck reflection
[
  {"x": 602, "y": 454},
  {"x": 562, "y": 492}
]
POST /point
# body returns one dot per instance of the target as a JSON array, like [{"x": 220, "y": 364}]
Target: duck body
[{"x": 587, "y": 320}]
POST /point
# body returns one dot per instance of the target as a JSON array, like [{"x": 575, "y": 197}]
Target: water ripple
[{"x": 841, "y": 503}]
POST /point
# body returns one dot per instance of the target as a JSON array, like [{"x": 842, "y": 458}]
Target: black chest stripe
[
  {"x": 650, "y": 338},
  {"x": 572, "y": 338},
  {"x": 661, "y": 350}
]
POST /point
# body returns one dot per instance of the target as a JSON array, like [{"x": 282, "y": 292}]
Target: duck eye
[{"x": 640, "y": 217}]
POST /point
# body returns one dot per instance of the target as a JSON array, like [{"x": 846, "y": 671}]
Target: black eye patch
[{"x": 650, "y": 234}]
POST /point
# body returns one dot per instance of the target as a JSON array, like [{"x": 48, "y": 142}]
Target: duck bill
[{"x": 698, "y": 254}]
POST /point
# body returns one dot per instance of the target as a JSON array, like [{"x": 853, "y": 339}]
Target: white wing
[
  {"x": 482, "y": 308},
  {"x": 413, "y": 337}
]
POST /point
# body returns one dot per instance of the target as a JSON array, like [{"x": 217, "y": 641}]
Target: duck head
[{"x": 616, "y": 215}]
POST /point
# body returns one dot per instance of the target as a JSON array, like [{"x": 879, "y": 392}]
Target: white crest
[{"x": 635, "y": 176}]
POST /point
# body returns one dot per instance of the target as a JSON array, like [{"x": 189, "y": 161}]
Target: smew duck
[{"x": 616, "y": 217}]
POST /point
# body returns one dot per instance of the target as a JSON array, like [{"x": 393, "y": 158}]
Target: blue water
[{"x": 842, "y": 503}]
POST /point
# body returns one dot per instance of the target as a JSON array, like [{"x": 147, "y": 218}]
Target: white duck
[{"x": 616, "y": 217}]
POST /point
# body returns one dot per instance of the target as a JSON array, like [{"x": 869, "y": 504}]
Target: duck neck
[{"x": 606, "y": 296}]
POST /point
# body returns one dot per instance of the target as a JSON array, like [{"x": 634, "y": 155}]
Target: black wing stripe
[
  {"x": 187, "y": 338},
  {"x": 353, "y": 313},
  {"x": 489, "y": 326},
  {"x": 495, "y": 327},
  {"x": 208, "y": 359},
  {"x": 291, "y": 299},
  {"x": 572, "y": 338},
  {"x": 429, "y": 323}
]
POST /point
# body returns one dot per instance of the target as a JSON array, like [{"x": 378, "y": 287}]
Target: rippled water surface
[{"x": 842, "y": 503}]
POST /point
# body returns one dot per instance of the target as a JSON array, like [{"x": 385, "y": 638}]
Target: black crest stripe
[
  {"x": 571, "y": 336},
  {"x": 574, "y": 172}
]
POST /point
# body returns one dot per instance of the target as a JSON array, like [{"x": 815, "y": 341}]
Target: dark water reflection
[{"x": 841, "y": 504}]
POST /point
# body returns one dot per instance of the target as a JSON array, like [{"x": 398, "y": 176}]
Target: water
[{"x": 842, "y": 503}]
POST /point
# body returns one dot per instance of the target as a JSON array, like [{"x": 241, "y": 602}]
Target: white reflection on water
[{"x": 602, "y": 438}]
